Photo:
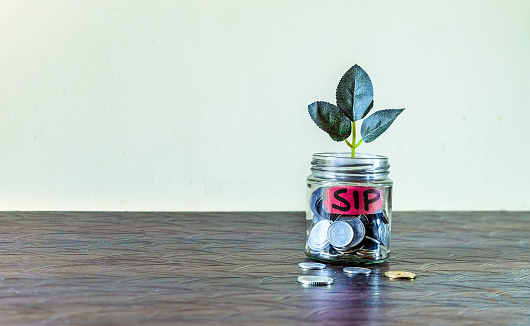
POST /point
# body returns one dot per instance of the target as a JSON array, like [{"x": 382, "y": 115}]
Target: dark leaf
[
  {"x": 355, "y": 93},
  {"x": 330, "y": 118},
  {"x": 378, "y": 123}
]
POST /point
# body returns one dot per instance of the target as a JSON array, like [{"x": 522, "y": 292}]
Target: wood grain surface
[{"x": 144, "y": 268}]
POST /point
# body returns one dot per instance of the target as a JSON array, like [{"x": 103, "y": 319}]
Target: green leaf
[
  {"x": 330, "y": 118},
  {"x": 378, "y": 123},
  {"x": 355, "y": 93}
]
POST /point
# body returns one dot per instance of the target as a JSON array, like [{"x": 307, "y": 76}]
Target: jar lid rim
[
  {"x": 342, "y": 165},
  {"x": 347, "y": 156}
]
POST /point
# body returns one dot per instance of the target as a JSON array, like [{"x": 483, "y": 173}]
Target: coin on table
[
  {"x": 356, "y": 270},
  {"x": 399, "y": 274},
  {"x": 311, "y": 265},
  {"x": 315, "y": 280}
]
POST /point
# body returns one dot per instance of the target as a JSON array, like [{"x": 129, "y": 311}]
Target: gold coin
[{"x": 395, "y": 274}]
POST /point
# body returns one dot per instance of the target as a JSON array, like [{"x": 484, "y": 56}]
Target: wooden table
[{"x": 100, "y": 268}]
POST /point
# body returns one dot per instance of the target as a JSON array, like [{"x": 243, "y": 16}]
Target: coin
[
  {"x": 384, "y": 233},
  {"x": 317, "y": 239},
  {"x": 377, "y": 231},
  {"x": 315, "y": 280},
  {"x": 340, "y": 234},
  {"x": 369, "y": 254},
  {"x": 311, "y": 266},
  {"x": 316, "y": 203},
  {"x": 370, "y": 241},
  {"x": 381, "y": 216},
  {"x": 356, "y": 270},
  {"x": 384, "y": 218},
  {"x": 365, "y": 220},
  {"x": 396, "y": 274},
  {"x": 346, "y": 233}
]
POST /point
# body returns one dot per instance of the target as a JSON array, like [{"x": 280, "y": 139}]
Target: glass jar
[{"x": 349, "y": 208}]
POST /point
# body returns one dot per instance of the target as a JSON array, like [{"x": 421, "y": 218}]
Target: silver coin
[
  {"x": 340, "y": 234},
  {"x": 356, "y": 270},
  {"x": 359, "y": 231},
  {"x": 346, "y": 233},
  {"x": 315, "y": 280},
  {"x": 318, "y": 237},
  {"x": 311, "y": 265},
  {"x": 379, "y": 231},
  {"x": 384, "y": 233},
  {"x": 315, "y": 202},
  {"x": 364, "y": 219}
]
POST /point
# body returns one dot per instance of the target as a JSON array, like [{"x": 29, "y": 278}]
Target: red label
[{"x": 353, "y": 200}]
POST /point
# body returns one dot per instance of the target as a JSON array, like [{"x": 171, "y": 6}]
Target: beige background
[{"x": 202, "y": 105}]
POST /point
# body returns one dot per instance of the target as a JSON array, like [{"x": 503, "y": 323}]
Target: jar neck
[{"x": 341, "y": 166}]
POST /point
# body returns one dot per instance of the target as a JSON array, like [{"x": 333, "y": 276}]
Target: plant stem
[
  {"x": 348, "y": 143},
  {"x": 353, "y": 139},
  {"x": 359, "y": 143}
]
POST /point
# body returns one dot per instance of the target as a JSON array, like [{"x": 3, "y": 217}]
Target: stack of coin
[
  {"x": 380, "y": 228},
  {"x": 317, "y": 205},
  {"x": 377, "y": 231}
]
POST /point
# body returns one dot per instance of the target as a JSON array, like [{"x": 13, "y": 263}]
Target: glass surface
[{"x": 349, "y": 208}]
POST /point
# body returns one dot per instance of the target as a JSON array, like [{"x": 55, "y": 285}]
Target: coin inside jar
[
  {"x": 399, "y": 274},
  {"x": 317, "y": 239},
  {"x": 346, "y": 233},
  {"x": 317, "y": 204},
  {"x": 384, "y": 234},
  {"x": 380, "y": 231}
]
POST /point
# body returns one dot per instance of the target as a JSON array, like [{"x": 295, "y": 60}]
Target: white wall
[{"x": 202, "y": 105}]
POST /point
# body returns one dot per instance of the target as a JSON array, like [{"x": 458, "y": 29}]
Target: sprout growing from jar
[{"x": 355, "y": 98}]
